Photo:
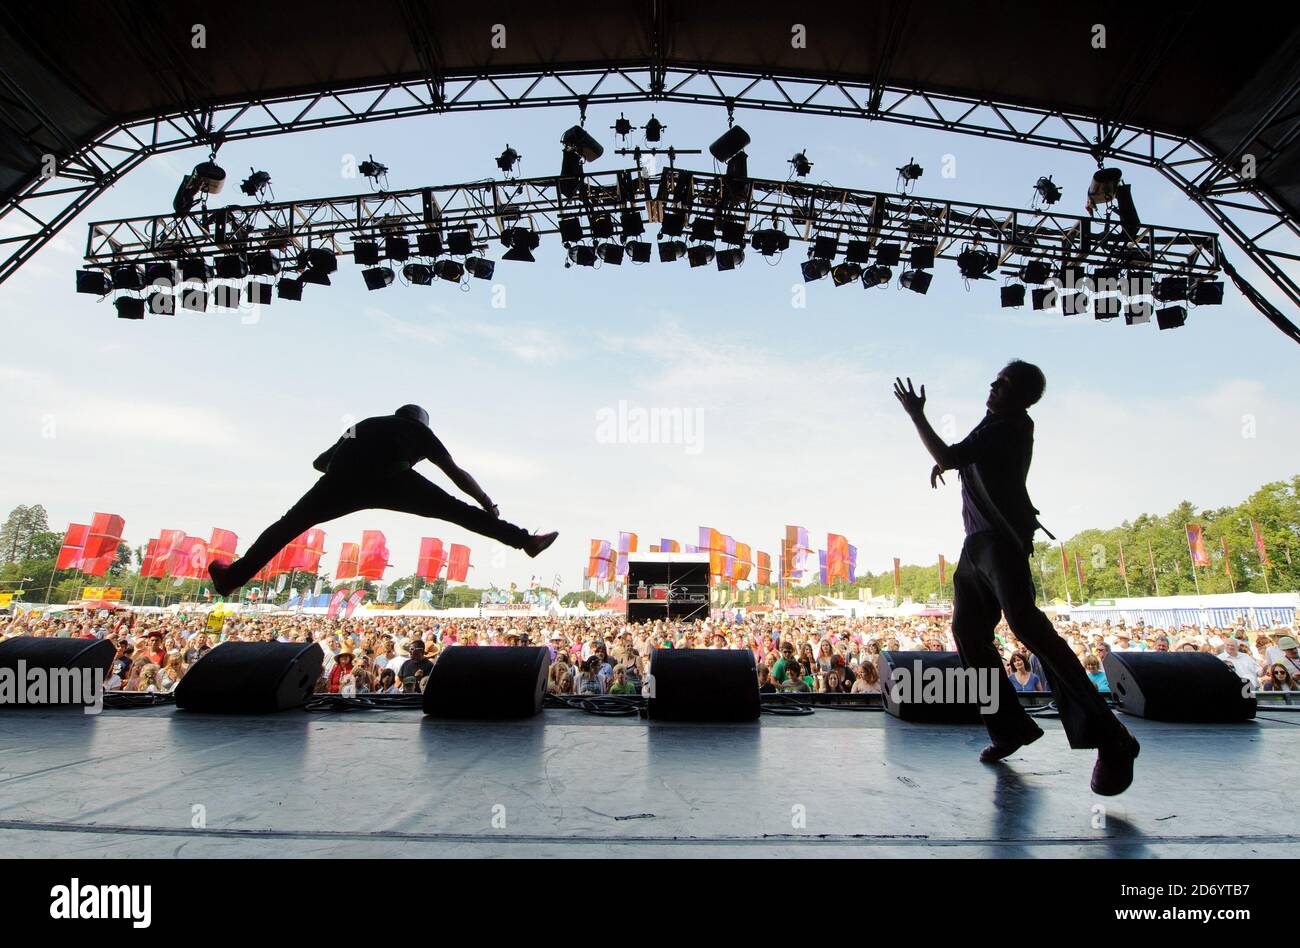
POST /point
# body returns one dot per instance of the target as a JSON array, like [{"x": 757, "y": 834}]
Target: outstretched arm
[
  {"x": 914, "y": 405},
  {"x": 440, "y": 456}
]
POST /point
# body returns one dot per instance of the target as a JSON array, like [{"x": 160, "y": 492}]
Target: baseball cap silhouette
[{"x": 414, "y": 412}]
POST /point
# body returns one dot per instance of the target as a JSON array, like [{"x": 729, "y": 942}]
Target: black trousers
[
  {"x": 992, "y": 579},
  {"x": 334, "y": 496}
]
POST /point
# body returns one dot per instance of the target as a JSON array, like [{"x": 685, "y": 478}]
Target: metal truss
[
  {"x": 1250, "y": 217},
  {"x": 702, "y": 204}
]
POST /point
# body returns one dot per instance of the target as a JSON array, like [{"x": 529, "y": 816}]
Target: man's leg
[
  {"x": 413, "y": 493},
  {"x": 1084, "y": 715},
  {"x": 975, "y": 614},
  {"x": 328, "y": 499}
]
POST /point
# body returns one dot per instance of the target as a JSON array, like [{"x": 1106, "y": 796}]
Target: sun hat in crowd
[{"x": 1285, "y": 642}]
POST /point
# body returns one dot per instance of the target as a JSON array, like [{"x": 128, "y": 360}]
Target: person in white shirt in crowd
[
  {"x": 1245, "y": 666},
  {"x": 1286, "y": 653}
]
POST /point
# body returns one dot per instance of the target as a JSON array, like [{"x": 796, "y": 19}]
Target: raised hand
[
  {"x": 936, "y": 473},
  {"x": 907, "y": 396}
]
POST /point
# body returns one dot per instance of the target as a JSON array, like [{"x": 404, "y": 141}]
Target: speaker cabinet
[
  {"x": 487, "y": 682},
  {"x": 251, "y": 678},
  {"x": 688, "y": 684},
  {"x": 51, "y": 656},
  {"x": 931, "y": 688},
  {"x": 1178, "y": 686}
]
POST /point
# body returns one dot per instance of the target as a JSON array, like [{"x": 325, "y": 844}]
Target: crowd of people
[{"x": 603, "y": 654}]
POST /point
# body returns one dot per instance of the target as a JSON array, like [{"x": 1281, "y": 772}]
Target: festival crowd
[{"x": 603, "y": 654}]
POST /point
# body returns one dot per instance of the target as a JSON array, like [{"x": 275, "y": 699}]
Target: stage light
[
  {"x": 976, "y": 264},
  {"x": 263, "y": 263},
  {"x": 289, "y": 288},
  {"x": 654, "y": 129},
  {"x": 129, "y": 307},
  {"x": 318, "y": 258},
  {"x": 377, "y": 278},
  {"x": 506, "y": 160},
  {"x": 1036, "y": 271},
  {"x": 1171, "y": 317},
  {"x": 196, "y": 270},
  {"x": 858, "y": 251},
  {"x": 258, "y": 293},
  {"x": 255, "y": 183},
  {"x": 162, "y": 304},
  {"x": 1128, "y": 215},
  {"x": 429, "y": 244},
  {"x": 231, "y": 267},
  {"x": 922, "y": 256},
  {"x": 1107, "y": 307},
  {"x": 631, "y": 225},
  {"x": 1170, "y": 289},
  {"x": 702, "y": 229},
  {"x": 876, "y": 276},
  {"x": 418, "y": 274},
  {"x": 601, "y": 226},
  {"x": 814, "y": 269},
  {"x": 639, "y": 251},
  {"x": 1013, "y": 295},
  {"x": 1106, "y": 279},
  {"x": 449, "y": 270},
  {"x": 1047, "y": 190},
  {"x": 1074, "y": 303},
  {"x": 374, "y": 170},
  {"x": 582, "y": 255},
  {"x": 846, "y": 273},
  {"x": 365, "y": 252},
  {"x": 736, "y": 178},
  {"x": 700, "y": 255},
  {"x": 225, "y": 297},
  {"x": 888, "y": 255},
  {"x": 672, "y": 224},
  {"x": 770, "y": 241},
  {"x": 192, "y": 298},
  {"x": 127, "y": 277},
  {"x": 570, "y": 174},
  {"x": 1044, "y": 297},
  {"x": 611, "y": 254},
  {"x": 1103, "y": 187},
  {"x": 159, "y": 274},
  {"x": 825, "y": 246},
  {"x": 733, "y": 232},
  {"x": 577, "y": 140},
  {"x": 315, "y": 276},
  {"x": 918, "y": 281},
  {"x": 460, "y": 243},
  {"x": 480, "y": 268},
  {"x": 729, "y": 144},
  {"x": 800, "y": 164},
  {"x": 1207, "y": 293},
  {"x": 207, "y": 178},
  {"x": 570, "y": 230},
  {"x": 908, "y": 174},
  {"x": 730, "y": 259},
  {"x": 522, "y": 242},
  {"x": 1137, "y": 312},
  {"x": 670, "y": 250},
  {"x": 397, "y": 248}
]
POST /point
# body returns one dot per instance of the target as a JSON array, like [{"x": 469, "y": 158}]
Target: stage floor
[{"x": 160, "y": 783}]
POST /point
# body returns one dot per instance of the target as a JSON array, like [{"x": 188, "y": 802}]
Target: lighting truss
[{"x": 487, "y": 208}]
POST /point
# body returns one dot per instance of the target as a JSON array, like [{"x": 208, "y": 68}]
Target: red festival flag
[
  {"x": 432, "y": 558},
  {"x": 1259, "y": 543},
  {"x": 74, "y": 546},
  {"x": 336, "y": 600},
  {"x": 105, "y": 535},
  {"x": 943, "y": 570},
  {"x": 1078, "y": 571},
  {"x": 458, "y": 563},
  {"x": 349, "y": 555},
  {"x": 221, "y": 546},
  {"x": 374, "y": 555},
  {"x": 764, "y": 577},
  {"x": 1196, "y": 545},
  {"x": 353, "y": 601},
  {"x": 898, "y": 576},
  {"x": 1227, "y": 561}
]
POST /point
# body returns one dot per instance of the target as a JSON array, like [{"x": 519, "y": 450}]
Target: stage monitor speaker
[
  {"x": 1178, "y": 686},
  {"x": 252, "y": 678},
  {"x": 927, "y": 691},
  {"x": 487, "y": 682},
  {"x": 52, "y": 655},
  {"x": 688, "y": 684}
]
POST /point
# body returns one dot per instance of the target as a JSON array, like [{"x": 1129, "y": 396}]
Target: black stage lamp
[
  {"x": 729, "y": 144},
  {"x": 255, "y": 183},
  {"x": 876, "y": 275},
  {"x": 631, "y": 224},
  {"x": 506, "y": 160},
  {"x": 1047, "y": 190},
  {"x": 770, "y": 241},
  {"x": 418, "y": 274},
  {"x": 583, "y": 255},
  {"x": 922, "y": 256},
  {"x": 480, "y": 268},
  {"x": 1036, "y": 272},
  {"x": 1044, "y": 297},
  {"x": 162, "y": 304},
  {"x": 846, "y": 273},
  {"x": 670, "y": 250},
  {"x": 730, "y": 259},
  {"x": 570, "y": 230},
  {"x": 639, "y": 251},
  {"x": 1140, "y": 283},
  {"x": 1171, "y": 317},
  {"x": 289, "y": 288},
  {"x": 825, "y": 247},
  {"x": 319, "y": 258},
  {"x": 159, "y": 274},
  {"x": 129, "y": 307},
  {"x": 193, "y": 298},
  {"x": 449, "y": 270},
  {"x": 225, "y": 297},
  {"x": 429, "y": 244},
  {"x": 1107, "y": 307},
  {"x": 683, "y": 187},
  {"x": 888, "y": 255},
  {"x": 377, "y": 278},
  {"x": 700, "y": 255},
  {"x": 570, "y": 174},
  {"x": 672, "y": 224},
  {"x": 263, "y": 263},
  {"x": 976, "y": 264},
  {"x": 258, "y": 292},
  {"x": 815, "y": 269},
  {"x": 733, "y": 232},
  {"x": 231, "y": 267},
  {"x": 702, "y": 229},
  {"x": 1208, "y": 293},
  {"x": 196, "y": 270},
  {"x": 601, "y": 226},
  {"x": 1137, "y": 312},
  {"x": 611, "y": 254},
  {"x": 858, "y": 251},
  {"x": 1168, "y": 290},
  {"x": 578, "y": 140},
  {"x": 1074, "y": 303},
  {"x": 128, "y": 277},
  {"x": 460, "y": 243},
  {"x": 654, "y": 129},
  {"x": 1072, "y": 276},
  {"x": 522, "y": 242},
  {"x": 918, "y": 281},
  {"x": 801, "y": 165},
  {"x": 1013, "y": 295},
  {"x": 397, "y": 247},
  {"x": 365, "y": 253},
  {"x": 315, "y": 276}
]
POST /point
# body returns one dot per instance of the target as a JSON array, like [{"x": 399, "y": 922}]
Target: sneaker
[
  {"x": 995, "y": 752},
  {"x": 1113, "y": 771},
  {"x": 220, "y": 582},
  {"x": 539, "y": 542}
]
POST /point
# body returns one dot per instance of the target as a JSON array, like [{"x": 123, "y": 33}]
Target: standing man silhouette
[
  {"x": 992, "y": 577},
  {"x": 369, "y": 467}
]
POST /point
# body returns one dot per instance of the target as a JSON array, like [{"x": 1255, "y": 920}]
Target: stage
[{"x": 157, "y": 782}]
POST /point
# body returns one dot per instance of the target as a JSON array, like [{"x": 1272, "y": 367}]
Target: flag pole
[
  {"x": 1192, "y": 555},
  {"x": 1123, "y": 567},
  {"x": 1151, "y": 560}
]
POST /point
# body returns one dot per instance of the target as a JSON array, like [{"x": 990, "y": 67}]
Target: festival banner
[
  {"x": 349, "y": 557},
  {"x": 336, "y": 600},
  {"x": 1065, "y": 568},
  {"x": 837, "y": 557},
  {"x": 943, "y": 570},
  {"x": 105, "y": 535},
  {"x": 1227, "y": 560},
  {"x": 743, "y": 562},
  {"x": 1259, "y": 544},
  {"x": 101, "y": 594},
  {"x": 148, "y": 562},
  {"x": 669, "y": 546},
  {"x": 431, "y": 560},
  {"x": 599, "y": 560},
  {"x": 74, "y": 546},
  {"x": 458, "y": 564},
  {"x": 221, "y": 547},
  {"x": 353, "y": 601},
  {"x": 1196, "y": 545},
  {"x": 1078, "y": 572},
  {"x": 305, "y": 551},
  {"x": 821, "y": 566},
  {"x": 626, "y": 546},
  {"x": 853, "y": 563},
  {"x": 374, "y": 555},
  {"x": 764, "y": 570},
  {"x": 898, "y": 576}
]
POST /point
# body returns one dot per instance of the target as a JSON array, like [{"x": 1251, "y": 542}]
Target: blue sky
[{"x": 202, "y": 421}]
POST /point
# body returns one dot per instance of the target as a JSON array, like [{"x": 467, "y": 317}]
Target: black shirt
[
  {"x": 385, "y": 444},
  {"x": 994, "y": 462}
]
